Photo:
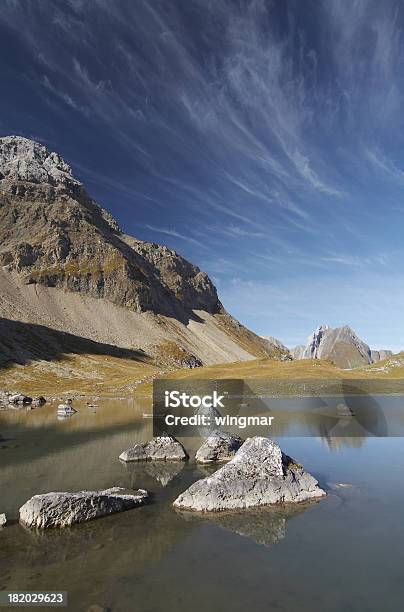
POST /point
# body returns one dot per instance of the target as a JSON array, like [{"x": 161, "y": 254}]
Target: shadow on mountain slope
[{"x": 21, "y": 343}]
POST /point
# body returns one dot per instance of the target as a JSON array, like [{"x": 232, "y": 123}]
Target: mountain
[
  {"x": 65, "y": 265},
  {"x": 277, "y": 344},
  {"x": 340, "y": 345}
]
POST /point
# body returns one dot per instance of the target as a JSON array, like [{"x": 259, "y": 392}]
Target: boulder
[
  {"x": 220, "y": 446},
  {"x": 258, "y": 475},
  {"x": 64, "y": 509},
  {"x": 3, "y": 520},
  {"x": 162, "y": 448},
  {"x": 66, "y": 409},
  {"x": 19, "y": 398},
  {"x": 39, "y": 401},
  {"x": 211, "y": 414}
]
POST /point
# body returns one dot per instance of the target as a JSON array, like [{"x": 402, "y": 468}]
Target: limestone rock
[
  {"x": 258, "y": 475},
  {"x": 220, "y": 446},
  {"x": 53, "y": 233},
  {"x": 66, "y": 409},
  {"x": 55, "y": 236},
  {"x": 277, "y": 348},
  {"x": 64, "y": 509},
  {"x": 39, "y": 401},
  {"x": 161, "y": 448},
  {"x": 340, "y": 345},
  {"x": 22, "y": 159},
  {"x": 380, "y": 355},
  {"x": 19, "y": 398}
]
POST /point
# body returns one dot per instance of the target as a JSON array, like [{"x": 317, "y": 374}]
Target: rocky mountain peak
[
  {"x": 314, "y": 342},
  {"x": 341, "y": 345},
  {"x": 54, "y": 234},
  {"x": 22, "y": 159}
]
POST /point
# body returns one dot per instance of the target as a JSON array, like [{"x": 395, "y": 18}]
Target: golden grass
[
  {"x": 389, "y": 372},
  {"x": 82, "y": 374},
  {"x": 91, "y": 374}
]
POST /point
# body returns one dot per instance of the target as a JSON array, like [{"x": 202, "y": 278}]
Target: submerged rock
[
  {"x": 220, "y": 446},
  {"x": 3, "y": 520},
  {"x": 64, "y": 509},
  {"x": 162, "y": 448},
  {"x": 258, "y": 475}
]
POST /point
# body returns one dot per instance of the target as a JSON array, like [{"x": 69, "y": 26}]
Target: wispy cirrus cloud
[
  {"x": 261, "y": 139},
  {"x": 167, "y": 231}
]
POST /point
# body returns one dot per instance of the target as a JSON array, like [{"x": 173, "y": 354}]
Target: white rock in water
[
  {"x": 3, "y": 520},
  {"x": 258, "y": 475},
  {"x": 19, "y": 398},
  {"x": 64, "y": 509},
  {"x": 162, "y": 448},
  {"x": 220, "y": 446},
  {"x": 66, "y": 409}
]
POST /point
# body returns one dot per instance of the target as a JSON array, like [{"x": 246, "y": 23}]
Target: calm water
[{"x": 344, "y": 553}]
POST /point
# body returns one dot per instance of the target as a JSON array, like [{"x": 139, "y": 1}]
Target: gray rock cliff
[{"x": 340, "y": 345}]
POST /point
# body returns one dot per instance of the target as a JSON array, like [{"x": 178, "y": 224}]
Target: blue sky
[{"x": 263, "y": 141}]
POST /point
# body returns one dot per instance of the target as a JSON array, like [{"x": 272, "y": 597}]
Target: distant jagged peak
[
  {"x": 319, "y": 331},
  {"x": 22, "y": 159},
  {"x": 314, "y": 341},
  {"x": 341, "y": 344}
]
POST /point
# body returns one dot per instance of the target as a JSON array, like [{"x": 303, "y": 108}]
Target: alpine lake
[{"x": 342, "y": 553}]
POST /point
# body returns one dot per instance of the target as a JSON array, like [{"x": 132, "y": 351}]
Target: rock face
[
  {"x": 380, "y": 355},
  {"x": 162, "y": 448},
  {"x": 275, "y": 344},
  {"x": 22, "y": 159},
  {"x": 65, "y": 509},
  {"x": 220, "y": 446},
  {"x": 54, "y": 236},
  {"x": 258, "y": 475},
  {"x": 340, "y": 345}
]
